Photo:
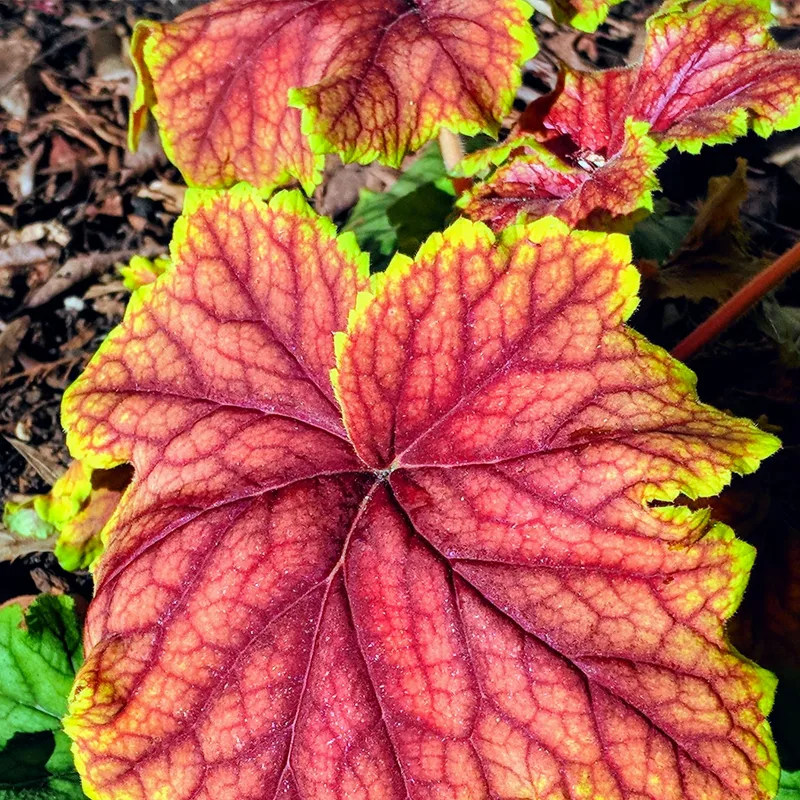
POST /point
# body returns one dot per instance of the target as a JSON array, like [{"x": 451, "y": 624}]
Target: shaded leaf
[
  {"x": 369, "y": 220},
  {"x": 658, "y": 237},
  {"x": 782, "y": 324},
  {"x": 418, "y": 214},
  {"x": 40, "y": 651},
  {"x": 39, "y": 767},
  {"x": 715, "y": 259}
]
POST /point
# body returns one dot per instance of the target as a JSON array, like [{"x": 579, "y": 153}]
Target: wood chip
[
  {"x": 19, "y": 51},
  {"x": 81, "y": 267},
  {"x": 47, "y": 583},
  {"x": 10, "y": 337},
  {"x": 26, "y": 253}
]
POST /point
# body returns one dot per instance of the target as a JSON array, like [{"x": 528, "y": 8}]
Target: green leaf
[
  {"x": 40, "y": 651},
  {"x": 418, "y": 214},
  {"x": 789, "y": 788},
  {"x": 375, "y": 219},
  {"x": 24, "y": 522},
  {"x": 658, "y": 236},
  {"x": 39, "y": 654},
  {"x": 39, "y": 766}
]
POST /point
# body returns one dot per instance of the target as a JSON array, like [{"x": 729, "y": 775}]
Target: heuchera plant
[
  {"x": 410, "y": 536},
  {"x": 423, "y": 562}
]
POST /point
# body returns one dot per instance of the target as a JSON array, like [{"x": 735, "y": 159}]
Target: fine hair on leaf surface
[{"x": 408, "y": 536}]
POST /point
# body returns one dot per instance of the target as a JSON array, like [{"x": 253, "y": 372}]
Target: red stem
[{"x": 739, "y": 304}]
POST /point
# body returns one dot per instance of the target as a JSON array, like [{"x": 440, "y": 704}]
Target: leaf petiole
[{"x": 739, "y": 304}]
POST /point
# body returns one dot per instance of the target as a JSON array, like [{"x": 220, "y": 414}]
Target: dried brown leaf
[
  {"x": 715, "y": 259},
  {"x": 10, "y": 337},
  {"x": 13, "y": 546},
  {"x": 46, "y": 468},
  {"x": 78, "y": 269}
]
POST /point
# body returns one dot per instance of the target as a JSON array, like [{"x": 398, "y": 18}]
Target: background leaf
[
  {"x": 457, "y": 66},
  {"x": 376, "y": 221},
  {"x": 789, "y": 786},
  {"x": 40, "y": 651}
]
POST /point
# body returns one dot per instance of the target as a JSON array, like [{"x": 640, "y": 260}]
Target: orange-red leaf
[
  {"x": 441, "y": 574},
  {"x": 709, "y": 73},
  {"x": 588, "y": 194},
  {"x": 587, "y": 152},
  {"x": 374, "y": 79}
]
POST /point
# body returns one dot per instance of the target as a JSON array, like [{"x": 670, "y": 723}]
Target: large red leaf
[
  {"x": 458, "y": 576},
  {"x": 375, "y": 79},
  {"x": 709, "y": 73}
]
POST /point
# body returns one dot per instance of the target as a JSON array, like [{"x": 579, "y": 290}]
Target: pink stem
[{"x": 739, "y": 304}]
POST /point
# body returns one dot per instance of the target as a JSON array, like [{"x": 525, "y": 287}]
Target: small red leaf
[
  {"x": 445, "y": 580},
  {"x": 586, "y": 106},
  {"x": 581, "y": 193},
  {"x": 375, "y": 79}
]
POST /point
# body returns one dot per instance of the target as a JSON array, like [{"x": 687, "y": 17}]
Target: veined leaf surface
[
  {"x": 374, "y": 79},
  {"x": 709, "y": 73},
  {"x": 536, "y": 183},
  {"x": 588, "y": 151},
  {"x": 432, "y": 557}
]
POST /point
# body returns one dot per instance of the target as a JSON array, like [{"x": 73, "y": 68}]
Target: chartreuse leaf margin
[{"x": 433, "y": 555}]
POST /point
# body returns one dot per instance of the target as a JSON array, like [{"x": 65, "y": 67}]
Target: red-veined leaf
[
  {"x": 449, "y": 578},
  {"x": 709, "y": 73},
  {"x": 586, "y": 154},
  {"x": 374, "y": 79},
  {"x": 537, "y": 183}
]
